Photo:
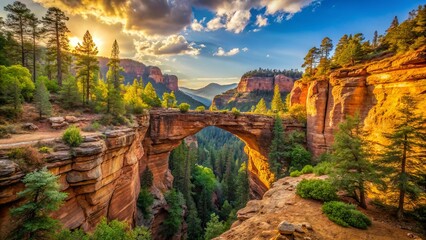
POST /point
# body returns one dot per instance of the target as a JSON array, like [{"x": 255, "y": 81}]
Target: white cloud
[
  {"x": 256, "y": 30},
  {"x": 245, "y": 49},
  {"x": 215, "y": 24},
  {"x": 261, "y": 21},
  {"x": 197, "y": 26},
  {"x": 238, "y": 21},
  {"x": 222, "y": 53}
]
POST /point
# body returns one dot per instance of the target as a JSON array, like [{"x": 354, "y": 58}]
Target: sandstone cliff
[
  {"x": 250, "y": 90},
  {"x": 373, "y": 89}
]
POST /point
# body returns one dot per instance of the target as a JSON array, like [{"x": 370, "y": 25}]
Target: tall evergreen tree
[
  {"x": 115, "y": 103},
  {"x": 326, "y": 47},
  {"x": 375, "y": 39},
  {"x": 277, "y": 151},
  {"x": 150, "y": 96},
  {"x": 243, "y": 187},
  {"x": 17, "y": 23},
  {"x": 353, "y": 167},
  {"x": 311, "y": 60},
  {"x": 87, "y": 65},
  {"x": 406, "y": 153},
  {"x": 43, "y": 196},
  {"x": 33, "y": 23},
  {"x": 54, "y": 26},
  {"x": 41, "y": 98},
  {"x": 277, "y": 104},
  {"x": 69, "y": 93}
]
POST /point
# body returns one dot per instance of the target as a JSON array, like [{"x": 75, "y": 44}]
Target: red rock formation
[
  {"x": 251, "y": 84},
  {"x": 171, "y": 82},
  {"x": 373, "y": 89},
  {"x": 155, "y": 73}
]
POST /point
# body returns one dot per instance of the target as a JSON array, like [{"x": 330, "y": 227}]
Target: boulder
[
  {"x": 59, "y": 125},
  {"x": 7, "y": 167},
  {"x": 71, "y": 119},
  {"x": 29, "y": 126},
  {"x": 286, "y": 228},
  {"x": 56, "y": 120}
]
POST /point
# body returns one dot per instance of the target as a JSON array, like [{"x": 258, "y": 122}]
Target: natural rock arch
[{"x": 169, "y": 127}]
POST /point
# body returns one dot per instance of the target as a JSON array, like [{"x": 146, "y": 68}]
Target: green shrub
[
  {"x": 45, "y": 149},
  {"x": 224, "y": 111},
  {"x": 145, "y": 200},
  {"x": 94, "y": 127},
  {"x": 236, "y": 112},
  {"x": 51, "y": 85},
  {"x": 28, "y": 159},
  {"x": 295, "y": 173},
  {"x": 184, "y": 107},
  {"x": 6, "y": 130},
  {"x": 345, "y": 215},
  {"x": 323, "y": 168},
  {"x": 317, "y": 189},
  {"x": 300, "y": 157},
  {"x": 307, "y": 169},
  {"x": 200, "y": 109},
  {"x": 72, "y": 136}
]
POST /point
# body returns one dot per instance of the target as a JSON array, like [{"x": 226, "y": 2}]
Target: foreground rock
[{"x": 281, "y": 214}]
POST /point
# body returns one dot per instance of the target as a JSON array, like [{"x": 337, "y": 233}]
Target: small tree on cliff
[
  {"x": 43, "y": 196},
  {"x": 261, "y": 107},
  {"x": 277, "y": 104},
  {"x": 406, "y": 153},
  {"x": 352, "y": 165},
  {"x": 41, "y": 98}
]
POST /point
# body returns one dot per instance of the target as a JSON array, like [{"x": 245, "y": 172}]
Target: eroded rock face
[
  {"x": 373, "y": 89},
  {"x": 171, "y": 82},
  {"x": 251, "y": 84},
  {"x": 156, "y": 74},
  {"x": 101, "y": 178}
]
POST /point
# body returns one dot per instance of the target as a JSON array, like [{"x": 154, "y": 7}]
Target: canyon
[
  {"x": 372, "y": 89},
  {"x": 101, "y": 176}
]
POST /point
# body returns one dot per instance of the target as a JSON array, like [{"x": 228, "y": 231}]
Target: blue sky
[{"x": 183, "y": 38}]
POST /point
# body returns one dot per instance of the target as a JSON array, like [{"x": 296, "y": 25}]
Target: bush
[
  {"x": 45, "y": 149},
  {"x": 51, "y": 85},
  {"x": 345, "y": 215},
  {"x": 184, "y": 107},
  {"x": 295, "y": 173},
  {"x": 307, "y": 169},
  {"x": 300, "y": 157},
  {"x": 317, "y": 189},
  {"x": 6, "y": 130},
  {"x": 145, "y": 200},
  {"x": 200, "y": 109},
  {"x": 323, "y": 168},
  {"x": 72, "y": 136},
  {"x": 298, "y": 112},
  {"x": 28, "y": 159},
  {"x": 94, "y": 127},
  {"x": 236, "y": 112},
  {"x": 224, "y": 111}
]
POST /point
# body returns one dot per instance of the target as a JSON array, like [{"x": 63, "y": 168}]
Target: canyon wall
[
  {"x": 373, "y": 89},
  {"x": 251, "y": 84}
]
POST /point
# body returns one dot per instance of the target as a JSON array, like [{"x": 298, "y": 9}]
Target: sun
[
  {"x": 98, "y": 42},
  {"x": 74, "y": 41}
]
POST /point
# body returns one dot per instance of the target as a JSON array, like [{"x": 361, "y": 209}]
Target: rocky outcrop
[
  {"x": 155, "y": 74},
  {"x": 251, "y": 84},
  {"x": 372, "y": 89},
  {"x": 171, "y": 82},
  {"x": 282, "y": 214}
]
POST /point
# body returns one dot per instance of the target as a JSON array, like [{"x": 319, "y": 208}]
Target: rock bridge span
[{"x": 168, "y": 128}]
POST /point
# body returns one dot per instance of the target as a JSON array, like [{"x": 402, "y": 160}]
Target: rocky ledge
[{"x": 281, "y": 214}]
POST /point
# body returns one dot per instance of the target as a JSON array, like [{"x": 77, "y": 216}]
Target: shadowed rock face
[
  {"x": 373, "y": 89},
  {"x": 169, "y": 128}
]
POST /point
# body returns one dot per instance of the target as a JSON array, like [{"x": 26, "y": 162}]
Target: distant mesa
[{"x": 207, "y": 93}]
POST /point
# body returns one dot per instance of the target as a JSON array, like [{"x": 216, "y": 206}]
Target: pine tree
[
  {"x": 69, "y": 94},
  {"x": 115, "y": 103},
  {"x": 172, "y": 223},
  {"x": 261, "y": 107},
  {"x": 54, "y": 26},
  {"x": 214, "y": 227},
  {"x": 325, "y": 49},
  {"x": 375, "y": 39},
  {"x": 169, "y": 100},
  {"x": 406, "y": 153},
  {"x": 311, "y": 60},
  {"x": 243, "y": 187},
  {"x": 17, "y": 23},
  {"x": 277, "y": 151},
  {"x": 277, "y": 104},
  {"x": 43, "y": 196},
  {"x": 150, "y": 96},
  {"x": 87, "y": 65},
  {"x": 41, "y": 98},
  {"x": 133, "y": 98},
  {"x": 35, "y": 32},
  {"x": 353, "y": 168}
]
